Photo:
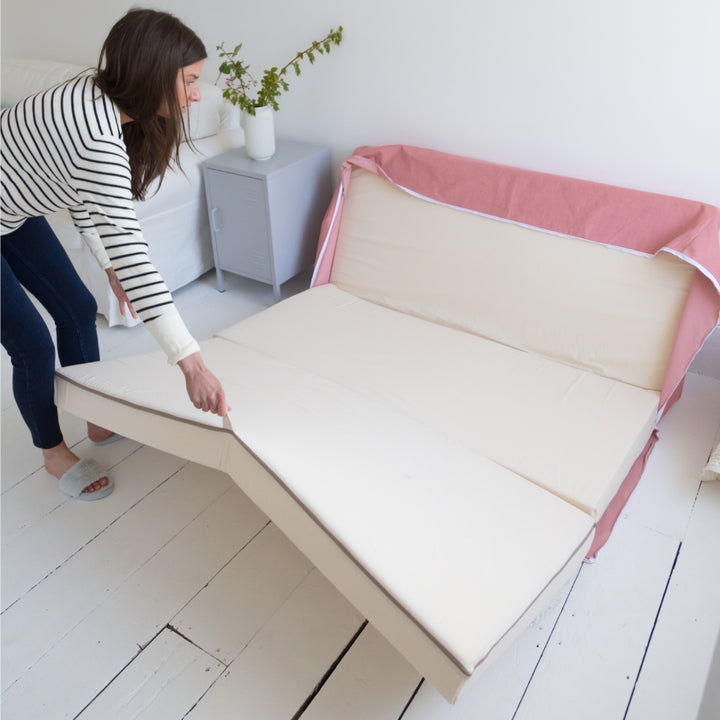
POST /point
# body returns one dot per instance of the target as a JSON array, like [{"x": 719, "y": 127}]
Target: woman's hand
[
  {"x": 120, "y": 294},
  {"x": 203, "y": 388}
]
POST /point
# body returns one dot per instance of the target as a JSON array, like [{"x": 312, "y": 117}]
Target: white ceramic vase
[{"x": 259, "y": 133}]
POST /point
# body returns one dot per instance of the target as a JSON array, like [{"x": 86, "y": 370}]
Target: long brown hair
[{"x": 138, "y": 68}]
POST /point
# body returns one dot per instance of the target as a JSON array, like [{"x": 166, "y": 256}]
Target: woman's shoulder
[
  {"x": 93, "y": 110},
  {"x": 77, "y": 105}
]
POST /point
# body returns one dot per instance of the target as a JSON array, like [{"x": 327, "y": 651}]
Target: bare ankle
[
  {"x": 59, "y": 459},
  {"x": 97, "y": 433}
]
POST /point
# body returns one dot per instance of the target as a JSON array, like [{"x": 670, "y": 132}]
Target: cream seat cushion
[{"x": 568, "y": 430}]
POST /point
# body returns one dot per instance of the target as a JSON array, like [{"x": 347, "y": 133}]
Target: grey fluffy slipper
[{"x": 80, "y": 475}]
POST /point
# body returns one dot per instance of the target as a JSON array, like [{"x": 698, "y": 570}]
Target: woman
[{"x": 93, "y": 145}]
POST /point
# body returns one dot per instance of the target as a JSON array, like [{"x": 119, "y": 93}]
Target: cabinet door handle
[{"x": 216, "y": 219}]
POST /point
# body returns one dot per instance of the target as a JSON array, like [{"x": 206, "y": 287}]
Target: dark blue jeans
[{"x": 33, "y": 258}]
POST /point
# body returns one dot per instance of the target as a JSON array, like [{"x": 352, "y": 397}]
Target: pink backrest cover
[{"x": 637, "y": 221}]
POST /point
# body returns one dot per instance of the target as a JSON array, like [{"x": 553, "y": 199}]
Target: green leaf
[{"x": 242, "y": 88}]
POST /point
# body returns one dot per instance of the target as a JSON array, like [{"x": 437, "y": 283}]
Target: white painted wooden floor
[{"x": 176, "y": 598}]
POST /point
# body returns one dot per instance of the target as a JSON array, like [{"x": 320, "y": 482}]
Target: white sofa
[
  {"x": 174, "y": 220},
  {"x": 449, "y": 421}
]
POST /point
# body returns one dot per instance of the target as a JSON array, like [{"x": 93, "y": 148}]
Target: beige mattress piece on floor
[{"x": 373, "y": 440}]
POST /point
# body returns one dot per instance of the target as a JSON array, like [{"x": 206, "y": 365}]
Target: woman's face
[
  {"x": 187, "y": 84},
  {"x": 186, "y": 87}
]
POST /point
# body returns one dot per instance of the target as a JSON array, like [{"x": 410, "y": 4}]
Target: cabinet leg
[{"x": 220, "y": 280}]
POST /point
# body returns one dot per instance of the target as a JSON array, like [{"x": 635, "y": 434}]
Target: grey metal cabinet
[{"x": 265, "y": 216}]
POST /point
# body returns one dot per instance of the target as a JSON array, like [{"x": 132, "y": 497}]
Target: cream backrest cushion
[{"x": 592, "y": 306}]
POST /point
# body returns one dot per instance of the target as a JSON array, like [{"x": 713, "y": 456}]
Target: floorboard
[
  {"x": 42, "y": 617},
  {"x": 284, "y": 663},
  {"x": 117, "y": 630},
  {"x": 166, "y": 679},
  {"x": 52, "y": 538},
  {"x": 673, "y": 676},
  {"x": 498, "y": 691},
  {"x": 604, "y": 629},
  {"x": 227, "y": 613},
  {"x": 371, "y": 681}
]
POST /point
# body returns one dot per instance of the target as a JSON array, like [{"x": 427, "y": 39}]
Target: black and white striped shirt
[{"x": 63, "y": 148}]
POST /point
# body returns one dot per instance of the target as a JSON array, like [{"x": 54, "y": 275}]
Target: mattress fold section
[{"x": 565, "y": 429}]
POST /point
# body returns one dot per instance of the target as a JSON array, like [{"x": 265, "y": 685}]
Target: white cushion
[
  {"x": 597, "y": 307},
  {"x": 22, "y": 77}
]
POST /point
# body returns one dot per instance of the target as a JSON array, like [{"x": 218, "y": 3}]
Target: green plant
[{"x": 241, "y": 88}]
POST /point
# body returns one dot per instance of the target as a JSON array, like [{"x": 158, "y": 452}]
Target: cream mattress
[{"x": 446, "y": 484}]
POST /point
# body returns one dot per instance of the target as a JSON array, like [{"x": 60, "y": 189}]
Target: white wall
[{"x": 620, "y": 91}]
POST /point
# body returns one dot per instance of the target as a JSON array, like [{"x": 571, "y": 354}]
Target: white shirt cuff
[{"x": 173, "y": 337}]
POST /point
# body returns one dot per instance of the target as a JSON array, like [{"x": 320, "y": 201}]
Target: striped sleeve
[{"x": 64, "y": 149}]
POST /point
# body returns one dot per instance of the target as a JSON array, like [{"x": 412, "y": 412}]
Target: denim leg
[
  {"x": 34, "y": 258},
  {"x": 29, "y": 344}
]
